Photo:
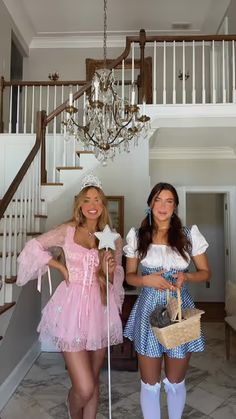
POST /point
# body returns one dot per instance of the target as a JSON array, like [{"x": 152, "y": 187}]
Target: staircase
[{"x": 32, "y": 210}]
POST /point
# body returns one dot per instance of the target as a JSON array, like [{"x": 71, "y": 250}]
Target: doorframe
[{"x": 230, "y": 229}]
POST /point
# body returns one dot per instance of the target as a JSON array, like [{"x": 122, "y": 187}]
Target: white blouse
[{"x": 162, "y": 255}]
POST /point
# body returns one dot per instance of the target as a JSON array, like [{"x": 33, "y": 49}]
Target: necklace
[{"x": 90, "y": 233}]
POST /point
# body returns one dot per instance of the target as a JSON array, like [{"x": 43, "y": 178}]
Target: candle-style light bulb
[{"x": 70, "y": 98}]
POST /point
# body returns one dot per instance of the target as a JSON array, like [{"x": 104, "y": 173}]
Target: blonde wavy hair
[{"x": 103, "y": 220}]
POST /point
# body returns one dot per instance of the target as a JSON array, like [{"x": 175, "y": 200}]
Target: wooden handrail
[
  {"x": 43, "y": 83},
  {"x": 87, "y": 86},
  {"x": 41, "y": 115}
]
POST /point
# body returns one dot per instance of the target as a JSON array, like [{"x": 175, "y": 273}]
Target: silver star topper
[{"x": 107, "y": 238}]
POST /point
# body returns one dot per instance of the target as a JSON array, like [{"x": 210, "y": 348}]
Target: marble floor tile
[{"x": 211, "y": 387}]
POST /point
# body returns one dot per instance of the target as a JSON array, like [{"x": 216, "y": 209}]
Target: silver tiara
[{"x": 90, "y": 180}]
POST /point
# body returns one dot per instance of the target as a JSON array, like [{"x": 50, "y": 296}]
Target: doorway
[
  {"x": 207, "y": 211},
  {"x": 16, "y": 74}
]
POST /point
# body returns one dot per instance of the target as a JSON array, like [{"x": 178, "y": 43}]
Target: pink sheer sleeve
[
  {"x": 118, "y": 278},
  {"x": 33, "y": 260}
]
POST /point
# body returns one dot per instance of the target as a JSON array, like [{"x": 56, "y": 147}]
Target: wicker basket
[{"x": 186, "y": 327}]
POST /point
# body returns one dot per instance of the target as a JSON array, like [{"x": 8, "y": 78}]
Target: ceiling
[{"x": 55, "y": 19}]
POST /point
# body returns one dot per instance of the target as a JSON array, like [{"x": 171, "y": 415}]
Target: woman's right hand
[
  {"x": 156, "y": 280},
  {"x": 65, "y": 274}
]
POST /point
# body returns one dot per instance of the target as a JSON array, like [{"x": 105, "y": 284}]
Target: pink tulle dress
[{"x": 74, "y": 318}]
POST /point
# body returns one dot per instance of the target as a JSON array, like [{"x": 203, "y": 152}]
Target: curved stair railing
[{"x": 18, "y": 213}]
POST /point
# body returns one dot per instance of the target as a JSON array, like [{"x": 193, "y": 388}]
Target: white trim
[
  {"x": 13, "y": 380},
  {"x": 75, "y": 40},
  {"x": 186, "y": 153}
]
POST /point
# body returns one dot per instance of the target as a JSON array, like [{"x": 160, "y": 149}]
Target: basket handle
[{"x": 179, "y": 313}]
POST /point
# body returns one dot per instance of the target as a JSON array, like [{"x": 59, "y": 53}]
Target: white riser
[
  {"x": 88, "y": 160},
  {"x": 9, "y": 264},
  {"x": 40, "y": 209},
  {"x": 35, "y": 225}
]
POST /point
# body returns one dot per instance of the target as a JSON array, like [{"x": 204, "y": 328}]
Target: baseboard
[{"x": 13, "y": 380}]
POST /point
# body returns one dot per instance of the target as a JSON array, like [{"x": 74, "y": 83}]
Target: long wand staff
[{"x": 107, "y": 241}]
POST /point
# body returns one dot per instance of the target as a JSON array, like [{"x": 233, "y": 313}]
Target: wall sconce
[
  {"x": 53, "y": 76},
  {"x": 180, "y": 75}
]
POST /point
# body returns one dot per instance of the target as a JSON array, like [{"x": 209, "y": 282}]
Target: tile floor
[{"x": 211, "y": 384}]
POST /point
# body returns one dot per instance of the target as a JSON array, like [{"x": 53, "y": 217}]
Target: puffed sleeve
[
  {"x": 118, "y": 278},
  {"x": 199, "y": 243},
  {"x": 34, "y": 258},
  {"x": 130, "y": 249}
]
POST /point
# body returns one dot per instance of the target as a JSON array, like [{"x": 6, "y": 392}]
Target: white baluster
[
  {"x": 193, "y": 82},
  {"x": 155, "y": 73},
  {"x": 203, "y": 73},
  {"x": 233, "y": 74},
  {"x": 213, "y": 73},
  {"x": 15, "y": 238},
  {"x": 164, "y": 73},
  {"x": 32, "y": 112},
  {"x": 122, "y": 89},
  {"x": 183, "y": 85},
  {"x": 174, "y": 74},
  {"x": 10, "y": 232},
  {"x": 17, "y": 109},
  {"x": 25, "y": 109},
  {"x": 62, "y": 114},
  {"x": 10, "y": 112},
  {"x": 47, "y": 105},
  {"x": 40, "y": 97},
  {"x": 223, "y": 72}
]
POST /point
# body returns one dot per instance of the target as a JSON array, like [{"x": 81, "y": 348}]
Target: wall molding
[{"x": 194, "y": 153}]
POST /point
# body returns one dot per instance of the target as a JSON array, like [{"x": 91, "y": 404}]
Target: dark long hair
[{"x": 175, "y": 236}]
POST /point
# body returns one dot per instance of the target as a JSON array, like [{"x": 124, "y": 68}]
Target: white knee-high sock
[
  {"x": 176, "y": 397},
  {"x": 150, "y": 400}
]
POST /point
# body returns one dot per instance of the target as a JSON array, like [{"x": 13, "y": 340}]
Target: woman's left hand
[
  {"x": 180, "y": 279},
  {"x": 108, "y": 259}
]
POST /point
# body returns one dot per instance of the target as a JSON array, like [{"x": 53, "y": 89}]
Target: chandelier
[{"x": 109, "y": 122}]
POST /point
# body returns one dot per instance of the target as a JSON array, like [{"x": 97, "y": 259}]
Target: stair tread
[
  {"x": 11, "y": 280},
  {"x": 7, "y": 254},
  {"x": 69, "y": 168},
  {"x": 6, "y": 307},
  {"x": 85, "y": 152},
  {"x": 52, "y": 184}
]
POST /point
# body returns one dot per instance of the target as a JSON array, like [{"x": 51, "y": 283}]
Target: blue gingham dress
[{"x": 160, "y": 257}]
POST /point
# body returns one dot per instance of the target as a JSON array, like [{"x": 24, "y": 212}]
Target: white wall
[
  {"x": 194, "y": 172},
  {"x": 127, "y": 175},
  {"x": 13, "y": 151}
]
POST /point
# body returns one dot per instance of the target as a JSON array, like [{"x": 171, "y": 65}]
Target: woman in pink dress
[{"x": 75, "y": 318}]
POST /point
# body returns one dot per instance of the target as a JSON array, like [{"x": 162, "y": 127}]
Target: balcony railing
[{"x": 164, "y": 69}]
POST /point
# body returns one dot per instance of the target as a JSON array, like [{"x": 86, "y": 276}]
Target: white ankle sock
[
  {"x": 150, "y": 400},
  {"x": 176, "y": 397}
]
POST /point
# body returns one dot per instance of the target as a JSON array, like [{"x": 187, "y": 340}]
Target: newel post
[
  {"x": 41, "y": 130},
  {"x": 1, "y": 104},
  {"x": 142, "y": 80}
]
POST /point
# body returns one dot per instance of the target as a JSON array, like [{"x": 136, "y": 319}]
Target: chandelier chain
[
  {"x": 108, "y": 122},
  {"x": 105, "y": 34}
]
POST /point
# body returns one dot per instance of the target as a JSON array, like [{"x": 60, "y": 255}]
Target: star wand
[{"x": 107, "y": 241}]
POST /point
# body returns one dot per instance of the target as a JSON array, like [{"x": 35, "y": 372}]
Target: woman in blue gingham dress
[{"x": 158, "y": 255}]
